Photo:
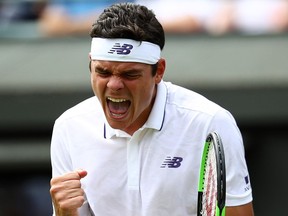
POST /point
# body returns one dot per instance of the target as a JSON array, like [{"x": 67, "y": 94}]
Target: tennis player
[{"x": 134, "y": 149}]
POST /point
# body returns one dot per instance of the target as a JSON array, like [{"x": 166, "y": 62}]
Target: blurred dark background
[{"x": 42, "y": 75}]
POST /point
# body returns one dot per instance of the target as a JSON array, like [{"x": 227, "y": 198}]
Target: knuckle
[{"x": 54, "y": 189}]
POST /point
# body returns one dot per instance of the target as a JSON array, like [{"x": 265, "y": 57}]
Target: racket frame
[{"x": 214, "y": 139}]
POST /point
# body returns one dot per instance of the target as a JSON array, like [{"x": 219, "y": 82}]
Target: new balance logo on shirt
[
  {"x": 125, "y": 49},
  {"x": 172, "y": 162},
  {"x": 248, "y": 186}
]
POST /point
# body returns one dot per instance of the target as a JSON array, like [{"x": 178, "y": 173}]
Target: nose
[{"x": 115, "y": 83}]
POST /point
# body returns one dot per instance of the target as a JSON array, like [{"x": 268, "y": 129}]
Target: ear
[
  {"x": 89, "y": 56},
  {"x": 160, "y": 70},
  {"x": 90, "y": 66}
]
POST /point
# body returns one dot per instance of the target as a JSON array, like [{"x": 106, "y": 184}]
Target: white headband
[{"x": 124, "y": 50}]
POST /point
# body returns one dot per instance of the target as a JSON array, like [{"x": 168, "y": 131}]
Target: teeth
[
  {"x": 116, "y": 115},
  {"x": 116, "y": 100}
]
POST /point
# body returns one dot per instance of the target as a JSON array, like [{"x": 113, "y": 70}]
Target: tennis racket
[{"x": 212, "y": 178}]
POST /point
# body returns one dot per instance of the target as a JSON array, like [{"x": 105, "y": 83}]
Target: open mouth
[{"x": 118, "y": 107}]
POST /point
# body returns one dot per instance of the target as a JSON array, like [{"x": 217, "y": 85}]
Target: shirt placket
[{"x": 133, "y": 161}]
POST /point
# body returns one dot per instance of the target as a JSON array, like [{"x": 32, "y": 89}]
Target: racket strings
[{"x": 210, "y": 184}]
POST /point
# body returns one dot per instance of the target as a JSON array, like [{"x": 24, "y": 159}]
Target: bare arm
[
  {"x": 55, "y": 22},
  {"x": 243, "y": 210},
  {"x": 185, "y": 24}
]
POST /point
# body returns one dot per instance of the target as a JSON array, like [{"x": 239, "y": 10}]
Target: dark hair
[{"x": 131, "y": 21}]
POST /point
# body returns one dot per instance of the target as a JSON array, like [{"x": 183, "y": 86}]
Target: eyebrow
[
  {"x": 128, "y": 70},
  {"x": 100, "y": 68}
]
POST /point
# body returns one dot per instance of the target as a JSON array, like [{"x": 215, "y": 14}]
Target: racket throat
[{"x": 220, "y": 211}]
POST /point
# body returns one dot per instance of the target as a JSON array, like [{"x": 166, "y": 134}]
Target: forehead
[{"x": 120, "y": 66}]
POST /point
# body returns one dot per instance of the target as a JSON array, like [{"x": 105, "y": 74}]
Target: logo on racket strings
[{"x": 172, "y": 162}]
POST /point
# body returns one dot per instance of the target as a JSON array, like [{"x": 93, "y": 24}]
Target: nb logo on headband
[{"x": 125, "y": 49}]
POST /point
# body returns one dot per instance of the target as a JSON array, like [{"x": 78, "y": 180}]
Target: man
[
  {"x": 70, "y": 17},
  {"x": 110, "y": 153}
]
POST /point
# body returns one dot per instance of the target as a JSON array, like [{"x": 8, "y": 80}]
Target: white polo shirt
[{"x": 155, "y": 171}]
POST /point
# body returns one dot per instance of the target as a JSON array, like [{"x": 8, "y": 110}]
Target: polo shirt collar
[{"x": 155, "y": 119}]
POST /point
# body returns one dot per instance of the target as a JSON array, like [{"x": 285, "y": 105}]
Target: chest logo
[{"x": 172, "y": 162}]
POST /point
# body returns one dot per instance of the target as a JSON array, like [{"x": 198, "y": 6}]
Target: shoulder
[
  {"x": 185, "y": 99},
  {"x": 88, "y": 108}
]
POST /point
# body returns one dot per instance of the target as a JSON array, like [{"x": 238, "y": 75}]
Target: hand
[{"x": 67, "y": 194}]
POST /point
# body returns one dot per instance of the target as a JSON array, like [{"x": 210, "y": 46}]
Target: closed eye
[
  {"x": 102, "y": 72},
  {"x": 131, "y": 75}
]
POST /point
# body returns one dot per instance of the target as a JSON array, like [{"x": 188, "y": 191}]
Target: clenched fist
[{"x": 67, "y": 194}]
